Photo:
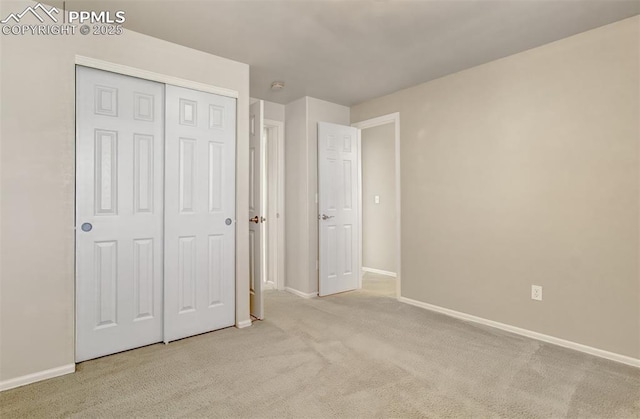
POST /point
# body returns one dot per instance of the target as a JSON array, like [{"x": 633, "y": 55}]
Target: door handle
[
  {"x": 326, "y": 217},
  {"x": 255, "y": 219}
]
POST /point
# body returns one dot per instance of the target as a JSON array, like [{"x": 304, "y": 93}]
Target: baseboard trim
[
  {"x": 634, "y": 362},
  {"x": 300, "y": 293},
  {"x": 37, "y": 376},
  {"x": 243, "y": 324},
  {"x": 379, "y": 272}
]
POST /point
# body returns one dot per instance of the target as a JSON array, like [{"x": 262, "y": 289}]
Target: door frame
[
  {"x": 150, "y": 75},
  {"x": 125, "y": 70},
  {"x": 278, "y": 126},
  {"x": 392, "y": 118}
]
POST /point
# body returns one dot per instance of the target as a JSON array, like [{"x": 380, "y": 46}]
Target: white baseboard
[
  {"x": 243, "y": 324},
  {"x": 37, "y": 376},
  {"x": 300, "y": 293},
  {"x": 634, "y": 362},
  {"x": 379, "y": 272}
]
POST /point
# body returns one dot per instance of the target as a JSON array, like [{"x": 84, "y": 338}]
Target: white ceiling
[{"x": 350, "y": 51}]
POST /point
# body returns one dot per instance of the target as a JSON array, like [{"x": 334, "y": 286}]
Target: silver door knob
[
  {"x": 326, "y": 217},
  {"x": 86, "y": 227}
]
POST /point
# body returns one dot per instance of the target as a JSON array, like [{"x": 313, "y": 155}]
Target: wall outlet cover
[{"x": 536, "y": 292}]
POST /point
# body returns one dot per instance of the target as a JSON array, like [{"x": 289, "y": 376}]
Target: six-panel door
[
  {"x": 338, "y": 208},
  {"x": 199, "y": 212},
  {"x": 119, "y": 212}
]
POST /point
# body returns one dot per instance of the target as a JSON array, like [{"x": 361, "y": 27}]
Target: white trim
[
  {"x": 360, "y": 206},
  {"x": 150, "y": 75},
  {"x": 243, "y": 324},
  {"x": 279, "y": 127},
  {"x": 377, "y": 121},
  {"x": 300, "y": 293},
  {"x": 379, "y": 272},
  {"x": 392, "y": 118},
  {"x": 37, "y": 376},
  {"x": 634, "y": 362}
]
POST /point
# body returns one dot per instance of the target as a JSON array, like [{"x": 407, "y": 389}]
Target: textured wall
[
  {"x": 525, "y": 171},
  {"x": 378, "y": 178},
  {"x": 296, "y": 203}
]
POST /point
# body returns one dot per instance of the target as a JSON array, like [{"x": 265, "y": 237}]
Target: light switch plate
[{"x": 376, "y": 199}]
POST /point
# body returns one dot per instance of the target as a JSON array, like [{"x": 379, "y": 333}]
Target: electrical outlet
[
  {"x": 536, "y": 292},
  {"x": 376, "y": 199}
]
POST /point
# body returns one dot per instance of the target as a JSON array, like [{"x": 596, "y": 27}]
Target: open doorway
[
  {"x": 273, "y": 186},
  {"x": 266, "y": 207},
  {"x": 380, "y": 205}
]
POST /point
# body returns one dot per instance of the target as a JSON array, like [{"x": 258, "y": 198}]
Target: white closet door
[
  {"x": 119, "y": 219},
  {"x": 199, "y": 212}
]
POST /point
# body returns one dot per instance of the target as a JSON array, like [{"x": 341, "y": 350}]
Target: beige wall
[
  {"x": 37, "y": 173},
  {"x": 526, "y": 171},
  {"x": 273, "y": 111},
  {"x": 378, "y": 178},
  {"x": 295, "y": 166}
]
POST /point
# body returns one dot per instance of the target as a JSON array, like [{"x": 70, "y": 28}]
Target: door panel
[
  {"x": 338, "y": 208},
  {"x": 200, "y": 209},
  {"x": 119, "y": 169},
  {"x": 256, "y": 210}
]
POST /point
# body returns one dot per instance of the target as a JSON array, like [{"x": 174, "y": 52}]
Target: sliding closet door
[
  {"x": 119, "y": 219},
  {"x": 199, "y": 212}
]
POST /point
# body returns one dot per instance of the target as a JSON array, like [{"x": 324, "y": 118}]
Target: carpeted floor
[{"x": 357, "y": 354}]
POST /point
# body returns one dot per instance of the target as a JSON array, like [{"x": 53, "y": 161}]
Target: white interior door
[
  {"x": 256, "y": 209},
  {"x": 199, "y": 212},
  {"x": 119, "y": 194},
  {"x": 338, "y": 208}
]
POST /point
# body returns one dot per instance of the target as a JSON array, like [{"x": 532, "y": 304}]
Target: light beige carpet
[
  {"x": 356, "y": 354},
  {"x": 379, "y": 285}
]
